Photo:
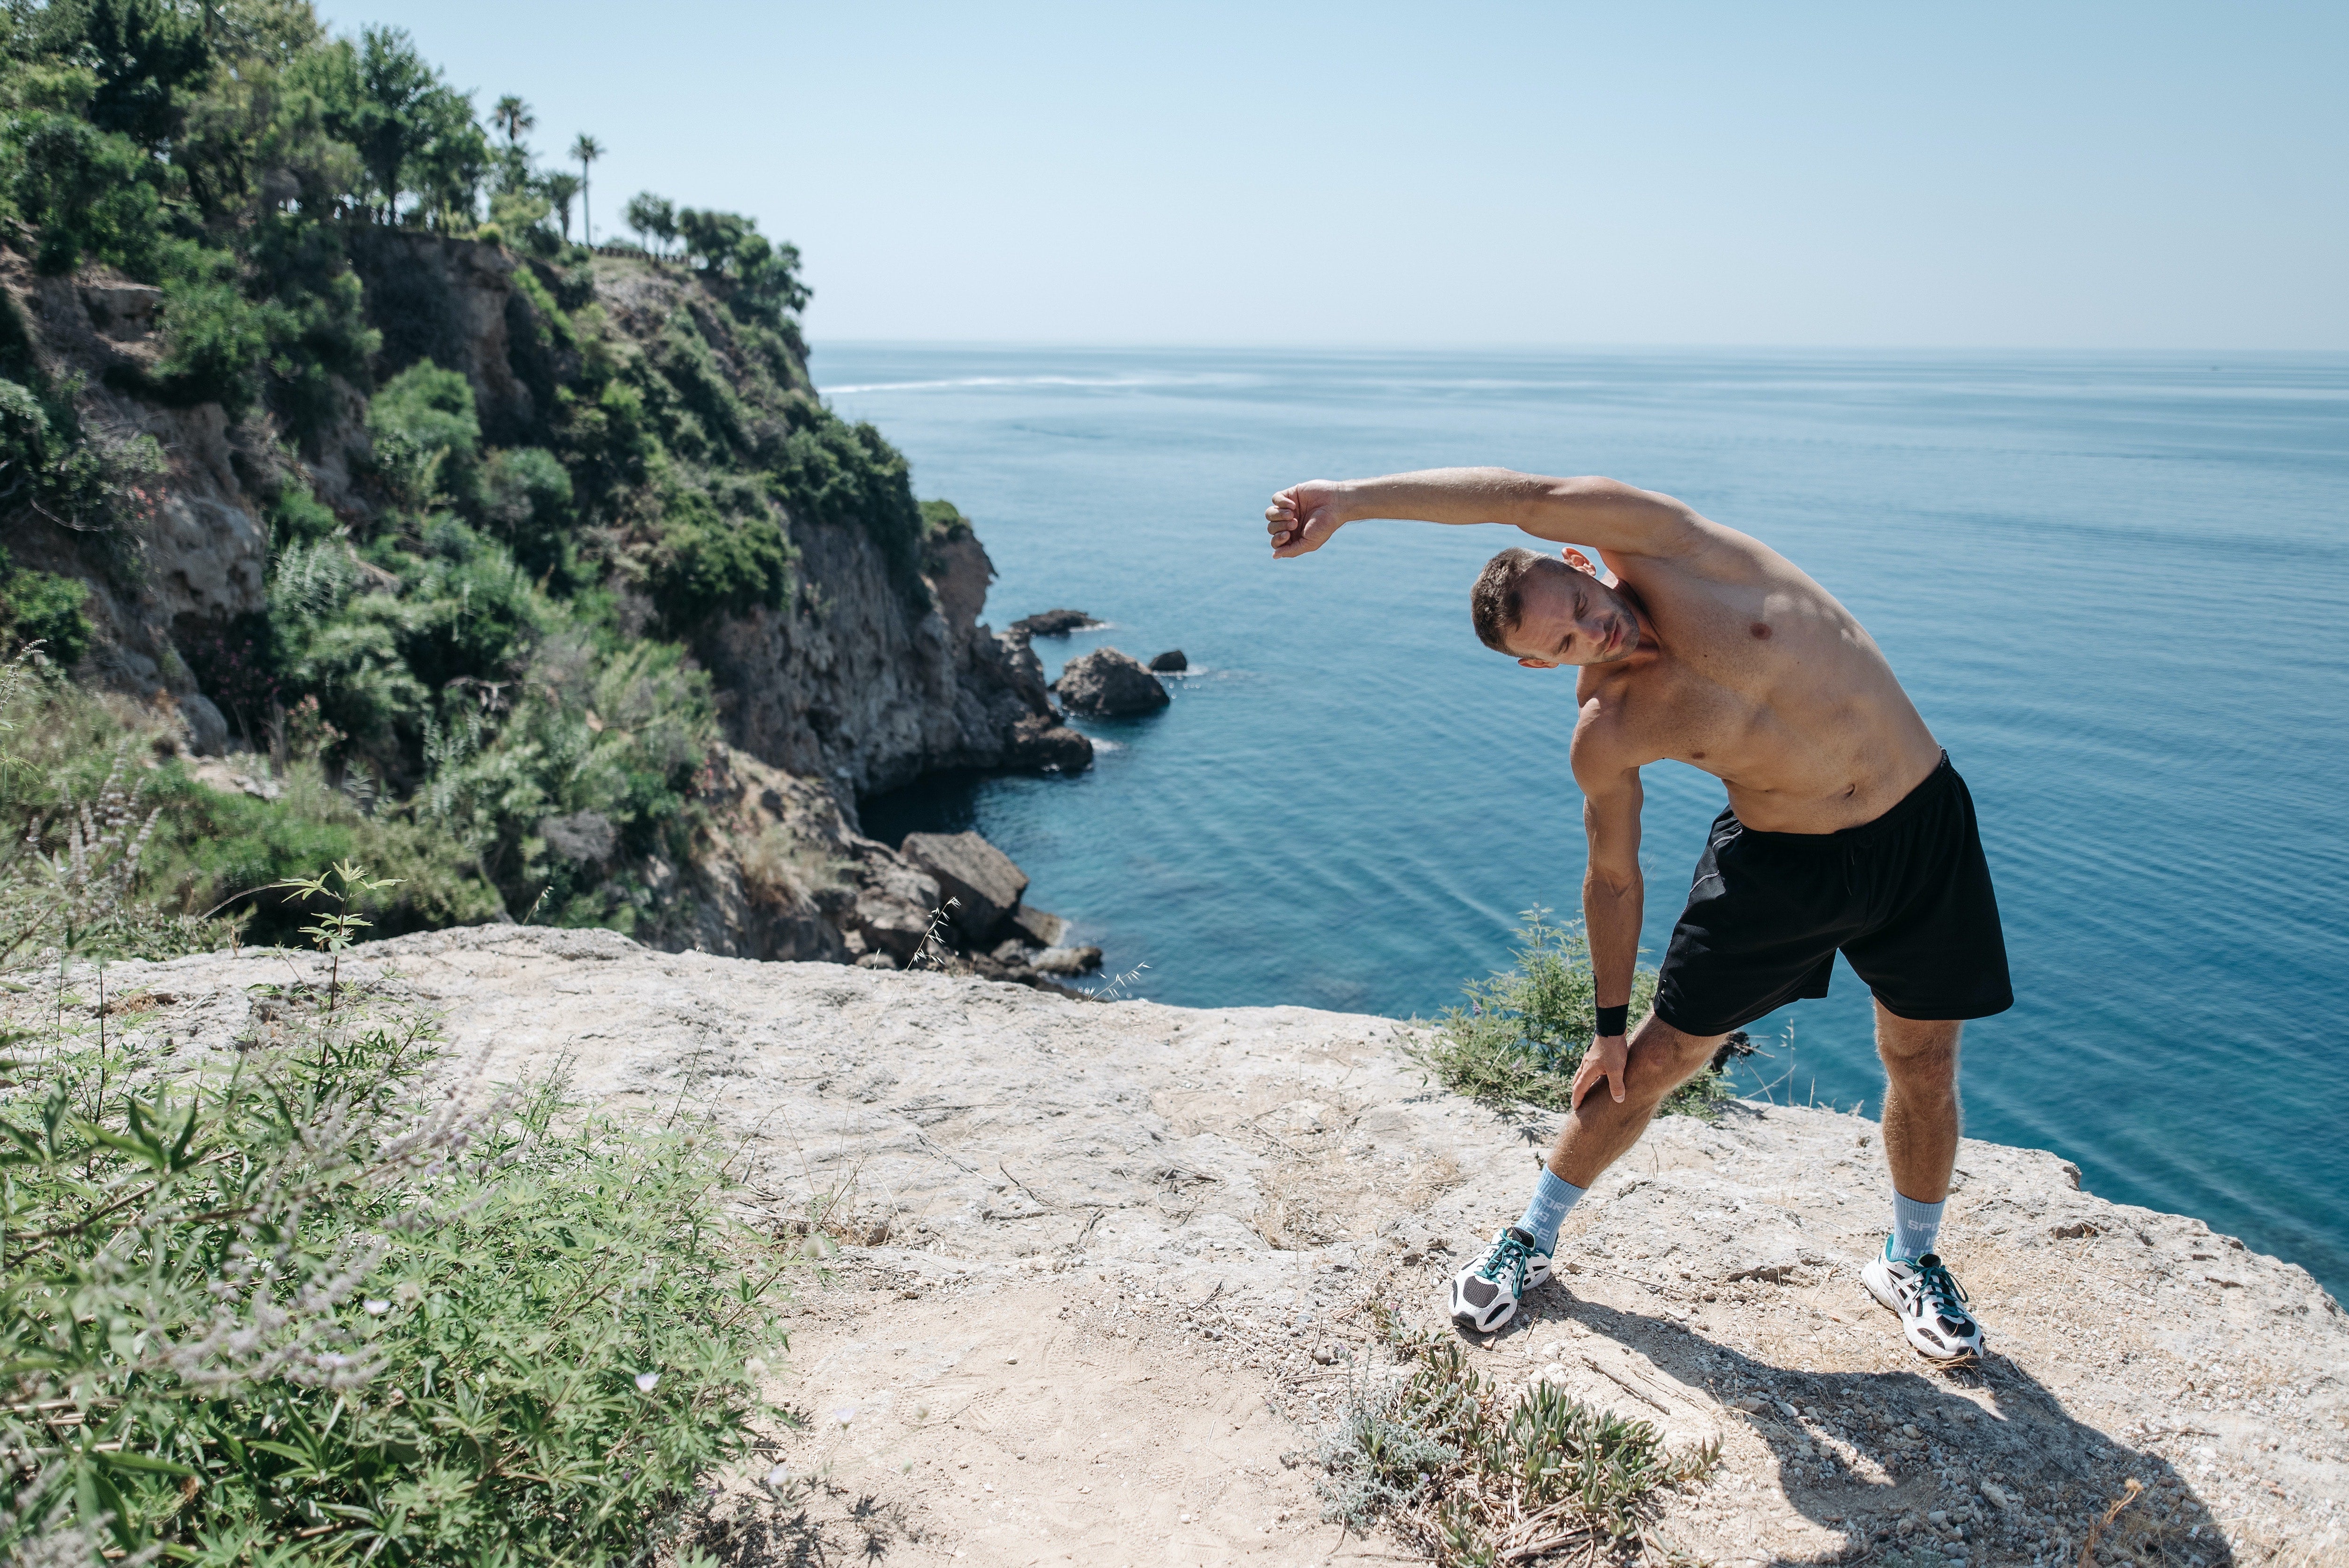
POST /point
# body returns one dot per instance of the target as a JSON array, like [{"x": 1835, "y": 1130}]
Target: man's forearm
[{"x": 1611, "y": 913}]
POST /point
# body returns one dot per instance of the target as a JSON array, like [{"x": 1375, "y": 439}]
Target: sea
[{"x": 2114, "y": 584}]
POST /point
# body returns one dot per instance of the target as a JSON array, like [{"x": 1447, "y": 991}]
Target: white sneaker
[
  {"x": 1485, "y": 1293},
  {"x": 1929, "y": 1301}
]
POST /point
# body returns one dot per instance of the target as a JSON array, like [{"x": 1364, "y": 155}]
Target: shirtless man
[{"x": 1846, "y": 829}]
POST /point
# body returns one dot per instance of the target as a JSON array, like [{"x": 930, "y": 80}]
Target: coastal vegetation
[
  {"x": 490, "y": 617},
  {"x": 284, "y": 1302}
]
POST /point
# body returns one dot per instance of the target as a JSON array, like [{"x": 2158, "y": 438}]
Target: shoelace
[
  {"x": 1941, "y": 1288},
  {"x": 1509, "y": 1254}
]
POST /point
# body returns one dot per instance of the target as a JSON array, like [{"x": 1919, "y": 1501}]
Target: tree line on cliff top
[{"x": 495, "y": 626}]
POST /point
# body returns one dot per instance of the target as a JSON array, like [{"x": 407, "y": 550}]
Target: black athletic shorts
[{"x": 1906, "y": 898}]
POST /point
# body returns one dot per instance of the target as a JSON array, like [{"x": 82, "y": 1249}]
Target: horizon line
[{"x": 1470, "y": 347}]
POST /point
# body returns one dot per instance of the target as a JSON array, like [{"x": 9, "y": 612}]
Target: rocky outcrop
[
  {"x": 200, "y": 557},
  {"x": 980, "y": 880},
  {"x": 850, "y": 682},
  {"x": 1108, "y": 682},
  {"x": 780, "y": 871},
  {"x": 1161, "y": 1249},
  {"x": 1170, "y": 662}
]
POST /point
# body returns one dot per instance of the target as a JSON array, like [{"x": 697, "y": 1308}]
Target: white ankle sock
[
  {"x": 1914, "y": 1226},
  {"x": 1554, "y": 1198}
]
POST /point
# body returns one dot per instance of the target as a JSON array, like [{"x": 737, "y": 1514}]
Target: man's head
[{"x": 1544, "y": 610}]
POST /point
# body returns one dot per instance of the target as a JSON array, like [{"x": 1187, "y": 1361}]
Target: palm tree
[
  {"x": 513, "y": 117},
  {"x": 560, "y": 188},
  {"x": 586, "y": 149}
]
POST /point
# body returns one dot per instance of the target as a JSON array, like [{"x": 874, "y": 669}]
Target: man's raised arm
[{"x": 1607, "y": 513}]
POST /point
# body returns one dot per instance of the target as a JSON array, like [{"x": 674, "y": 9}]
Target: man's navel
[{"x": 1760, "y": 630}]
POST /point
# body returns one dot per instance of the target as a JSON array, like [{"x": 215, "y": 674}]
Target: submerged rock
[
  {"x": 1106, "y": 681},
  {"x": 1170, "y": 662},
  {"x": 1054, "y": 623}
]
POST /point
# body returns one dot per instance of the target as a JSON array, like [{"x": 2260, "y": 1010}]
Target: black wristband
[{"x": 1612, "y": 1021}]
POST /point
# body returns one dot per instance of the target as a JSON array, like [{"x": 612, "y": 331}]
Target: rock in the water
[
  {"x": 981, "y": 879},
  {"x": 1037, "y": 741},
  {"x": 1109, "y": 682},
  {"x": 1170, "y": 662},
  {"x": 1054, "y": 623},
  {"x": 1068, "y": 961},
  {"x": 1040, "y": 926}
]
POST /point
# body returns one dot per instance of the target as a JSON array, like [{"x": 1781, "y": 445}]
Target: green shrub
[
  {"x": 43, "y": 607},
  {"x": 711, "y": 564},
  {"x": 90, "y": 195},
  {"x": 289, "y": 1307},
  {"x": 213, "y": 341},
  {"x": 1523, "y": 1034},
  {"x": 296, "y": 516},
  {"x": 426, "y": 434},
  {"x": 526, "y": 497}
]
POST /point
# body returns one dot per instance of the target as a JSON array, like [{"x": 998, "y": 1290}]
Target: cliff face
[
  {"x": 852, "y": 679},
  {"x": 1127, "y": 1264},
  {"x": 870, "y": 667}
]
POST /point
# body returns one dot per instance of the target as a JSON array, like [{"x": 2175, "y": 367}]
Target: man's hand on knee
[{"x": 1606, "y": 1058}]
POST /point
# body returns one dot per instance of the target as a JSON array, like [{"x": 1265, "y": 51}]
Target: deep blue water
[{"x": 2114, "y": 585}]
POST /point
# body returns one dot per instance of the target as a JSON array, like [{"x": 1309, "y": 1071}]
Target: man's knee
[
  {"x": 1662, "y": 1058},
  {"x": 1930, "y": 1044}
]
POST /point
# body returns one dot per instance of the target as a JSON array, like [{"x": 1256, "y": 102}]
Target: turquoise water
[{"x": 2115, "y": 586}]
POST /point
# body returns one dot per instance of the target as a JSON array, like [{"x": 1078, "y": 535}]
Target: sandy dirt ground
[{"x": 1098, "y": 1277}]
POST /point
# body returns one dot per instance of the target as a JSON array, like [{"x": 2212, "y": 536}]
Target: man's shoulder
[{"x": 1607, "y": 739}]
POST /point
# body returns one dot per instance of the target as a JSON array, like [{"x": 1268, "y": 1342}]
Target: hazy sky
[{"x": 2054, "y": 175}]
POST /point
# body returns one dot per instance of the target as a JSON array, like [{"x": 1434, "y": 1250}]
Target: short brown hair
[{"x": 1497, "y": 603}]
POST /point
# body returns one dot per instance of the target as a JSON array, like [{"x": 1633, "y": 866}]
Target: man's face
[{"x": 1572, "y": 618}]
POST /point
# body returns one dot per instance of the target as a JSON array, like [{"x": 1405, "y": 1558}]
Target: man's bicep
[
  {"x": 1611, "y": 798},
  {"x": 1616, "y": 518}
]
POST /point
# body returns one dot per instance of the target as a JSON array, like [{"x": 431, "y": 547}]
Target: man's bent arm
[
  {"x": 1606, "y": 514},
  {"x": 1613, "y": 896}
]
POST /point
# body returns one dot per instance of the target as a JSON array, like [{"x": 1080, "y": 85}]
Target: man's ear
[
  {"x": 1581, "y": 562},
  {"x": 1539, "y": 664}
]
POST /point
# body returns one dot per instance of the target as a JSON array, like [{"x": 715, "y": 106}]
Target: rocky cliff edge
[{"x": 1105, "y": 1270}]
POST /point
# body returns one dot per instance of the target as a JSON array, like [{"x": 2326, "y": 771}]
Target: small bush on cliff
[
  {"x": 1524, "y": 1032},
  {"x": 45, "y": 608}
]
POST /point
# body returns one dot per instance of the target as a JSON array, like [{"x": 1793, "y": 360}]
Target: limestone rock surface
[
  {"x": 1115, "y": 1261},
  {"x": 1173, "y": 662},
  {"x": 1108, "y": 682}
]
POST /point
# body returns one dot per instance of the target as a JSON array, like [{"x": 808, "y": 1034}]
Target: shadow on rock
[
  {"x": 821, "y": 1526},
  {"x": 1976, "y": 1464}
]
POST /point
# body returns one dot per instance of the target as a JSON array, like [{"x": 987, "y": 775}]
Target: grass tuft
[{"x": 1474, "y": 1472}]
